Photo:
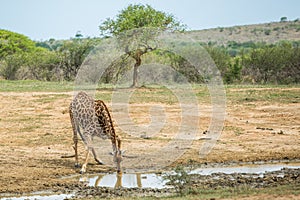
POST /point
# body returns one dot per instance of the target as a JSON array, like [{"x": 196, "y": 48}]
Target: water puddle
[
  {"x": 40, "y": 197},
  {"x": 125, "y": 180},
  {"x": 249, "y": 169},
  {"x": 152, "y": 180}
]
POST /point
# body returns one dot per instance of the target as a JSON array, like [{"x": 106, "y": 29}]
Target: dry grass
[
  {"x": 267, "y": 32},
  {"x": 36, "y": 131}
]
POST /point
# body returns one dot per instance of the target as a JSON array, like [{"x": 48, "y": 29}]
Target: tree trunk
[{"x": 138, "y": 62}]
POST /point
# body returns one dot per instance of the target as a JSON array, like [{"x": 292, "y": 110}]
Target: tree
[
  {"x": 11, "y": 43},
  {"x": 135, "y": 41},
  {"x": 73, "y": 54},
  {"x": 21, "y": 59},
  {"x": 283, "y": 19},
  {"x": 50, "y": 44}
]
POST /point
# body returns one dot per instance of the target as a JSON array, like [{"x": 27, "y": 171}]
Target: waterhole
[
  {"x": 115, "y": 180},
  {"x": 249, "y": 169},
  {"x": 152, "y": 180}
]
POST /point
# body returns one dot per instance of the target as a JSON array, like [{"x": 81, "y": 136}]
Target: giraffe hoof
[
  {"x": 99, "y": 162},
  {"x": 77, "y": 165},
  {"x": 82, "y": 171}
]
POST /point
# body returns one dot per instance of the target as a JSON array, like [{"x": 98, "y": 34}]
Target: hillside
[
  {"x": 271, "y": 32},
  {"x": 266, "y": 32}
]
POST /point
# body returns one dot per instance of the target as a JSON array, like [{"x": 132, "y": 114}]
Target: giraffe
[{"x": 90, "y": 118}]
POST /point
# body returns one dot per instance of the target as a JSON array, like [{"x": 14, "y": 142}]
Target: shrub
[
  {"x": 10, "y": 65},
  {"x": 181, "y": 180},
  {"x": 274, "y": 64},
  {"x": 267, "y": 32}
]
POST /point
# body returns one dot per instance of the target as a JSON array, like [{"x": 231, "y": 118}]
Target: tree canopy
[
  {"x": 11, "y": 43},
  {"x": 138, "y": 16}
]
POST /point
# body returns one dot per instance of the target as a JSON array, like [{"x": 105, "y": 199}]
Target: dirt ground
[{"x": 36, "y": 131}]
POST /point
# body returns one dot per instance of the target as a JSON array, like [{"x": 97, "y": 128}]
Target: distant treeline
[{"x": 58, "y": 60}]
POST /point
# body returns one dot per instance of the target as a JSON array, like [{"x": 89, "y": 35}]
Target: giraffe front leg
[
  {"x": 83, "y": 168},
  {"x": 75, "y": 129},
  {"x": 77, "y": 165},
  {"x": 119, "y": 180},
  {"x": 117, "y": 152}
]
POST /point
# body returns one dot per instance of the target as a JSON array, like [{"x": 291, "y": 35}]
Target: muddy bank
[{"x": 253, "y": 180}]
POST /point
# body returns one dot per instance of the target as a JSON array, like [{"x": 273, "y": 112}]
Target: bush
[
  {"x": 73, "y": 53},
  {"x": 267, "y": 32},
  {"x": 10, "y": 65},
  {"x": 221, "y": 58},
  {"x": 181, "y": 180},
  {"x": 276, "y": 64},
  {"x": 39, "y": 65}
]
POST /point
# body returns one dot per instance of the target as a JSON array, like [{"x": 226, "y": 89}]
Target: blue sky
[{"x": 61, "y": 19}]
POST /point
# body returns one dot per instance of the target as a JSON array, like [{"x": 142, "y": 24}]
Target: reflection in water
[
  {"x": 125, "y": 180},
  {"x": 152, "y": 180}
]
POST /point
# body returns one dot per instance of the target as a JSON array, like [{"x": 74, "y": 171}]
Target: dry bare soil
[{"x": 261, "y": 124}]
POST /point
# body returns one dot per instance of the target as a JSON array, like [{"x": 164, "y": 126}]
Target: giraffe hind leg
[
  {"x": 87, "y": 140},
  {"x": 84, "y": 166},
  {"x": 96, "y": 157}
]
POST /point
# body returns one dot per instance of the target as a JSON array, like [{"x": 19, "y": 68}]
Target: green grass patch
[
  {"x": 149, "y": 94},
  {"x": 49, "y": 98},
  {"x": 235, "y": 130},
  {"x": 159, "y": 94},
  {"x": 231, "y": 193},
  {"x": 25, "y": 119},
  {"x": 34, "y": 86},
  {"x": 274, "y": 94}
]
